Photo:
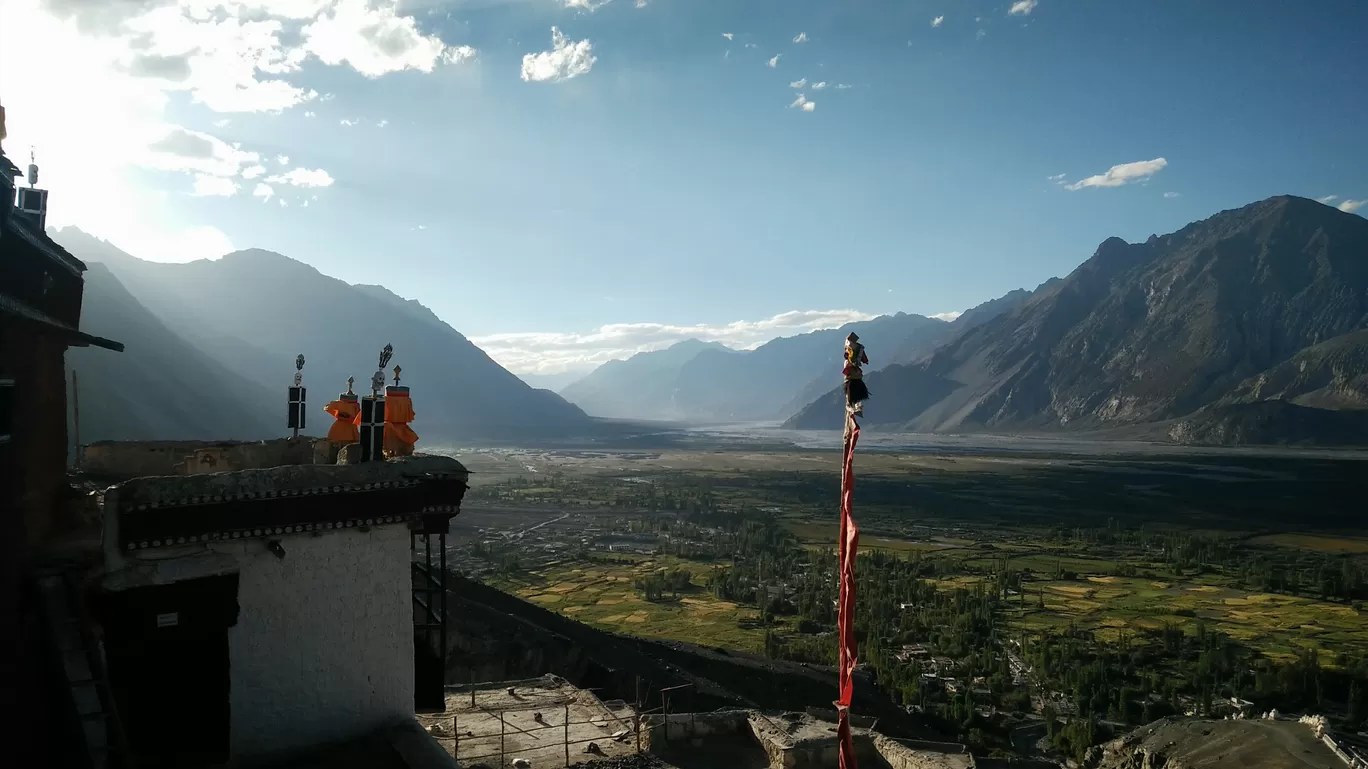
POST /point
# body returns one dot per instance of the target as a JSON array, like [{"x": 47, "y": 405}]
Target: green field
[{"x": 601, "y": 595}]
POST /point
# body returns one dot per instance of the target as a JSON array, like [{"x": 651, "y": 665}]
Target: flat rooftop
[{"x": 537, "y": 722}]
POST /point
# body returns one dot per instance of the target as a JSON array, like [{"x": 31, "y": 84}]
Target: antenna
[{"x": 32, "y": 169}]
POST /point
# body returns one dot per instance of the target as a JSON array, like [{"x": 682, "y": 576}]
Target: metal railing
[{"x": 505, "y": 751}]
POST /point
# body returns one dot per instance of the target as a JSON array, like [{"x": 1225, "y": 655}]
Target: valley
[{"x": 1068, "y": 595}]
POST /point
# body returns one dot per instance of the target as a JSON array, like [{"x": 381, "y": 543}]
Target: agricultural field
[
  {"x": 601, "y": 594},
  {"x": 970, "y": 513}
]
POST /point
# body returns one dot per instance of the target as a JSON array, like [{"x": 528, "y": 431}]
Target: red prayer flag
[{"x": 845, "y": 618}]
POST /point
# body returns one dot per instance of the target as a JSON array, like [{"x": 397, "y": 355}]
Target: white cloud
[
  {"x": 751, "y": 45},
  {"x": 772, "y": 63},
  {"x": 587, "y": 5},
  {"x": 728, "y": 35},
  {"x": 1328, "y": 198},
  {"x": 1023, "y": 7},
  {"x": 214, "y": 186},
  {"x": 803, "y": 104},
  {"x": 348, "y": 122},
  {"x": 819, "y": 86},
  {"x": 843, "y": 86},
  {"x": 1057, "y": 178},
  {"x": 980, "y": 34},
  {"x": 284, "y": 160},
  {"x": 96, "y": 118},
  {"x": 565, "y": 60},
  {"x": 310, "y": 113},
  {"x": 382, "y": 124},
  {"x": 548, "y": 353},
  {"x": 1122, "y": 174},
  {"x": 1172, "y": 195},
  {"x": 799, "y": 83},
  {"x": 946, "y": 316},
  {"x": 283, "y": 202},
  {"x": 375, "y": 40},
  {"x": 801, "y": 37},
  {"x": 939, "y": 20},
  {"x": 1350, "y": 206},
  {"x": 263, "y": 191},
  {"x": 253, "y": 172},
  {"x": 303, "y": 177},
  {"x": 641, "y": 3},
  {"x": 456, "y": 54}
]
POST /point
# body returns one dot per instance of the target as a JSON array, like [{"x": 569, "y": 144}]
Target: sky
[{"x": 569, "y": 181}]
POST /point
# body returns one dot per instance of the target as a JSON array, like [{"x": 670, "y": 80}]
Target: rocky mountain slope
[
  {"x": 1154, "y": 331},
  {"x": 160, "y": 386},
  {"x": 253, "y": 311}
]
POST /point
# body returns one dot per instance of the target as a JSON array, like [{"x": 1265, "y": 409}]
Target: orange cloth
[
  {"x": 348, "y": 415},
  {"x": 399, "y": 437}
]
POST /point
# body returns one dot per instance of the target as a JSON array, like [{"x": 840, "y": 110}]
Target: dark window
[{"x": 6, "y": 409}]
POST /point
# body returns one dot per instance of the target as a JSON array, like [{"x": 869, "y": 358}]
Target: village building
[
  {"x": 41, "y": 287},
  {"x": 250, "y": 616}
]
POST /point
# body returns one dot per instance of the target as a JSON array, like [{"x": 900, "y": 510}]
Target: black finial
[{"x": 385, "y": 355}]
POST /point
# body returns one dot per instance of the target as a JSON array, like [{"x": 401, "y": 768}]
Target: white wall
[{"x": 323, "y": 647}]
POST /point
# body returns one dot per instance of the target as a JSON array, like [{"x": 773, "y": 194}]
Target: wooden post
[
  {"x": 76, "y": 417},
  {"x": 501, "y": 739},
  {"x": 456, "y": 737},
  {"x": 567, "y": 734},
  {"x": 636, "y": 721}
]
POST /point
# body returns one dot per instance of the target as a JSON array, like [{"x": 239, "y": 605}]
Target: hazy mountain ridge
[
  {"x": 1144, "y": 332},
  {"x": 642, "y": 386},
  {"x": 160, "y": 386},
  {"x": 254, "y": 310},
  {"x": 709, "y": 382}
]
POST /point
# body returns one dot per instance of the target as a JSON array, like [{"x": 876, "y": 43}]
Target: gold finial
[{"x": 397, "y": 370}]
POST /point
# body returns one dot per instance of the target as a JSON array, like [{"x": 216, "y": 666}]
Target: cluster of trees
[
  {"x": 657, "y": 585},
  {"x": 1133, "y": 679},
  {"x": 1273, "y": 570}
]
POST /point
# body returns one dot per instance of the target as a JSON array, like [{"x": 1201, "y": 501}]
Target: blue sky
[{"x": 675, "y": 185}]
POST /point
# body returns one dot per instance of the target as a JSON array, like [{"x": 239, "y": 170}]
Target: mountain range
[
  {"x": 1245, "y": 327},
  {"x": 1250, "y": 326},
  {"x": 223, "y": 334},
  {"x": 694, "y": 381}
]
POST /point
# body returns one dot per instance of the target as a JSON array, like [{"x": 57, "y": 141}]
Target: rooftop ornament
[
  {"x": 296, "y": 420},
  {"x": 346, "y": 410},
  {"x": 372, "y": 418}
]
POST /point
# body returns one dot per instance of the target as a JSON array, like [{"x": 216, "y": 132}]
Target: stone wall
[
  {"x": 323, "y": 647},
  {"x": 136, "y": 459}
]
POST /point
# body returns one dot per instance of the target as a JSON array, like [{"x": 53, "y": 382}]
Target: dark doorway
[
  {"x": 429, "y": 680},
  {"x": 167, "y": 653}
]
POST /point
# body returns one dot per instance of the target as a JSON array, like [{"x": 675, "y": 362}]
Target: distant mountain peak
[{"x": 1224, "y": 311}]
